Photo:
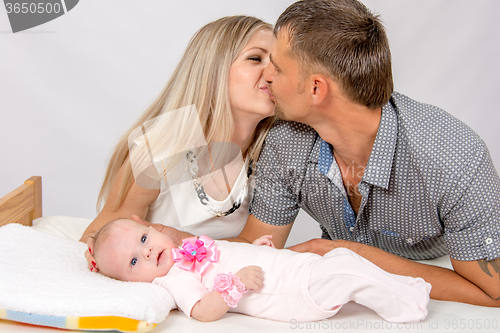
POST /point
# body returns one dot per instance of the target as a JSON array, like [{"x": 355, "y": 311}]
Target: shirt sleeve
[
  {"x": 186, "y": 289},
  {"x": 273, "y": 200},
  {"x": 472, "y": 221}
]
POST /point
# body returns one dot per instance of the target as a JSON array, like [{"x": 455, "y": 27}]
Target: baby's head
[{"x": 129, "y": 251}]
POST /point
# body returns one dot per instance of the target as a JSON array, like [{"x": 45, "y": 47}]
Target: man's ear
[{"x": 319, "y": 89}]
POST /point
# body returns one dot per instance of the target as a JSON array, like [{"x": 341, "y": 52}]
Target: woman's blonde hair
[{"x": 200, "y": 79}]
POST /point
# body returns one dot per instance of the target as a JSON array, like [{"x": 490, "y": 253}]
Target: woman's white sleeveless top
[{"x": 178, "y": 206}]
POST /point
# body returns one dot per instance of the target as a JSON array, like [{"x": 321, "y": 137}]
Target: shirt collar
[
  {"x": 325, "y": 156},
  {"x": 314, "y": 156},
  {"x": 379, "y": 167}
]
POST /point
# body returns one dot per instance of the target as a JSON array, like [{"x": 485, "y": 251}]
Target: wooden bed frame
[{"x": 24, "y": 204}]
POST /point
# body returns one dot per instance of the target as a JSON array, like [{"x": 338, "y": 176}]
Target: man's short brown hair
[{"x": 343, "y": 38}]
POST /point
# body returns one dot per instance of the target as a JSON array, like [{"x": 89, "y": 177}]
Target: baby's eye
[
  {"x": 143, "y": 239},
  {"x": 133, "y": 262}
]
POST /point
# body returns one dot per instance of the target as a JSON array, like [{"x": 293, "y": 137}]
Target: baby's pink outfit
[{"x": 304, "y": 286}]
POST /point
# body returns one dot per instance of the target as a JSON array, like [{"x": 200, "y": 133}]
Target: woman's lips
[{"x": 266, "y": 90}]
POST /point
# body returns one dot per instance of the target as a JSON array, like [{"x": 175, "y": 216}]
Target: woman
[{"x": 220, "y": 75}]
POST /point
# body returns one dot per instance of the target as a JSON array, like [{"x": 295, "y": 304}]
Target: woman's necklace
[
  {"x": 228, "y": 185},
  {"x": 224, "y": 175},
  {"x": 202, "y": 195}
]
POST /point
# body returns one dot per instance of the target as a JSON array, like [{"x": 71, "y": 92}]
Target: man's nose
[{"x": 269, "y": 72}]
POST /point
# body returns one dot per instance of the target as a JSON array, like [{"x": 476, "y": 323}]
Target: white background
[{"x": 71, "y": 87}]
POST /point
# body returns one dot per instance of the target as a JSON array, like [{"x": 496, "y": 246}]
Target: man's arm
[
  {"x": 255, "y": 228},
  {"x": 483, "y": 273},
  {"x": 447, "y": 285}
]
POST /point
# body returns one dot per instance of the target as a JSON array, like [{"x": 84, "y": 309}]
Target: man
[{"x": 385, "y": 176}]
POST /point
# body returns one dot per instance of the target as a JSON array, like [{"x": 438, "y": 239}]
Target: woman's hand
[
  {"x": 251, "y": 277},
  {"x": 176, "y": 235},
  {"x": 264, "y": 240},
  {"x": 90, "y": 257}
]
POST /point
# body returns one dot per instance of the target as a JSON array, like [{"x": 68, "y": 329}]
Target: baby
[{"x": 269, "y": 283}]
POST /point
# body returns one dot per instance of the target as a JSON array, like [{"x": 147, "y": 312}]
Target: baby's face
[{"x": 134, "y": 252}]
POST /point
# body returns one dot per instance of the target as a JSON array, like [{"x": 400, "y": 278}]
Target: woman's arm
[
  {"x": 136, "y": 202},
  {"x": 212, "y": 306}
]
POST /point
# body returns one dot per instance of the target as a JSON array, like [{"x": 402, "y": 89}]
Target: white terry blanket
[{"x": 48, "y": 275}]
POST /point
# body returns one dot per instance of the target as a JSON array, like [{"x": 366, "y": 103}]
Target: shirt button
[
  {"x": 489, "y": 241},
  {"x": 409, "y": 240}
]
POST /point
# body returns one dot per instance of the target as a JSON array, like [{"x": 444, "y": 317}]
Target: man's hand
[{"x": 176, "y": 235}]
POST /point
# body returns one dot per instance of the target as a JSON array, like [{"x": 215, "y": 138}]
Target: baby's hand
[
  {"x": 264, "y": 240},
  {"x": 251, "y": 277}
]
